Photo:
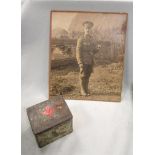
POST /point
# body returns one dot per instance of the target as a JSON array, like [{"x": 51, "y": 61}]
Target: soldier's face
[{"x": 87, "y": 30}]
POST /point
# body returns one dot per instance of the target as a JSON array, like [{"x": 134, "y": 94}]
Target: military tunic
[{"x": 85, "y": 51}]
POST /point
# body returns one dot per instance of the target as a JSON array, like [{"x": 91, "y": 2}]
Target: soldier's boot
[
  {"x": 87, "y": 90},
  {"x": 83, "y": 86}
]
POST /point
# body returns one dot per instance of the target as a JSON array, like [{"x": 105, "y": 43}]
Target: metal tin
[{"x": 50, "y": 120}]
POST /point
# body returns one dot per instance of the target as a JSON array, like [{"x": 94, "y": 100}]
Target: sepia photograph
[{"x": 87, "y": 55}]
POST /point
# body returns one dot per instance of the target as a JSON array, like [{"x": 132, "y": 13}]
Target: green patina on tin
[
  {"x": 50, "y": 120},
  {"x": 54, "y": 133}
]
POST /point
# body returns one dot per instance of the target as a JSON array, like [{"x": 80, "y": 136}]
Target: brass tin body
[{"x": 50, "y": 120}]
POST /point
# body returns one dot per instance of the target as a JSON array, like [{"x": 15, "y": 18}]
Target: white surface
[{"x": 100, "y": 128}]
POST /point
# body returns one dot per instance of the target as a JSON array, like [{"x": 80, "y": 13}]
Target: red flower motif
[{"x": 48, "y": 111}]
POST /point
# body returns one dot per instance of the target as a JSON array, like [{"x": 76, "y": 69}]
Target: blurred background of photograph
[{"x": 109, "y": 31}]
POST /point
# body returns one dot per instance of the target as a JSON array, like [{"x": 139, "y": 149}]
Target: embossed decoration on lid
[{"x": 48, "y": 114}]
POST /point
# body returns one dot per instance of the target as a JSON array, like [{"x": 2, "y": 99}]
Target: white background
[
  {"x": 99, "y": 127},
  {"x": 144, "y": 114}
]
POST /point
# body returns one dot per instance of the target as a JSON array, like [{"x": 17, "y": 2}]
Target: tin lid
[{"x": 48, "y": 114}]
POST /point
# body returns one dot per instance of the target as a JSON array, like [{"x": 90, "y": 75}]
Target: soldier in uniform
[{"x": 85, "y": 50}]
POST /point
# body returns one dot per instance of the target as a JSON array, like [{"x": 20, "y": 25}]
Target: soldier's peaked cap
[{"x": 89, "y": 23}]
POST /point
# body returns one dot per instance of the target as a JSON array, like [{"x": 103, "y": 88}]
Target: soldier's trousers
[{"x": 85, "y": 72}]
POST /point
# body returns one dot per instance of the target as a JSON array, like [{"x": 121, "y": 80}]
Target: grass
[{"x": 105, "y": 82}]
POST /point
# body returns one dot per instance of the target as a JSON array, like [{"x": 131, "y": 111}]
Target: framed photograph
[{"x": 87, "y": 55}]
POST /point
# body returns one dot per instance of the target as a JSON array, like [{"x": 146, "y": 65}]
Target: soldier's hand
[
  {"x": 98, "y": 46},
  {"x": 81, "y": 65}
]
